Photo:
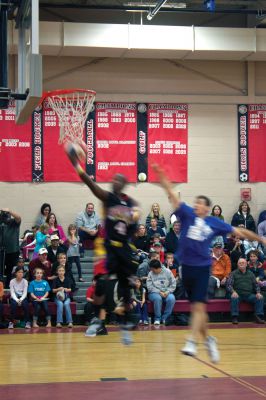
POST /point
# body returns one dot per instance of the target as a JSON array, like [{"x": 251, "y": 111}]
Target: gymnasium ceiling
[{"x": 230, "y": 13}]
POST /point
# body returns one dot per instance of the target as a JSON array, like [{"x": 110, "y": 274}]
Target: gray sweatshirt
[
  {"x": 18, "y": 289},
  {"x": 162, "y": 282}
]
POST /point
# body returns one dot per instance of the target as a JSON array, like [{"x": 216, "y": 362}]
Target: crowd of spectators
[{"x": 238, "y": 269}]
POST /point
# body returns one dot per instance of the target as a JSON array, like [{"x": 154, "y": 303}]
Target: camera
[{"x": 5, "y": 217}]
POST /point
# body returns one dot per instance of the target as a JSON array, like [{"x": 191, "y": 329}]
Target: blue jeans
[
  {"x": 37, "y": 305},
  {"x": 76, "y": 260},
  {"x": 158, "y": 300},
  {"x": 248, "y": 299},
  {"x": 59, "y": 312},
  {"x": 142, "y": 311},
  {"x": 13, "y": 308}
]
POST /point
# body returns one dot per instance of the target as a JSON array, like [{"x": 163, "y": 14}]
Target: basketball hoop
[{"x": 72, "y": 107}]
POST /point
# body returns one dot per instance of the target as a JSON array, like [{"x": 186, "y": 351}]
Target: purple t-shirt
[{"x": 196, "y": 236}]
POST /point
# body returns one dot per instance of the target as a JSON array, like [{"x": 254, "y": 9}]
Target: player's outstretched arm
[
  {"x": 167, "y": 185},
  {"x": 96, "y": 190},
  {"x": 246, "y": 234}
]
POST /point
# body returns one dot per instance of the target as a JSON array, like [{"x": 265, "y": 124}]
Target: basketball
[
  {"x": 142, "y": 177},
  {"x": 75, "y": 151}
]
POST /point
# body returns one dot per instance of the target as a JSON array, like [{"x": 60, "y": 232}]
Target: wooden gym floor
[{"x": 64, "y": 364}]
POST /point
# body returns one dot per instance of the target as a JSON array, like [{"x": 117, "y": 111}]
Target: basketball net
[{"x": 72, "y": 108}]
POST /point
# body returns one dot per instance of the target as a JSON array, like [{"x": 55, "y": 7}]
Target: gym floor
[{"x": 64, "y": 364}]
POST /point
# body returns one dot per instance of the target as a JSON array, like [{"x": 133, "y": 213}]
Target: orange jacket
[
  {"x": 1, "y": 290},
  {"x": 221, "y": 268}
]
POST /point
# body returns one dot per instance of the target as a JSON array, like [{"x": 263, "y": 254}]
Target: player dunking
[
  {"x": 197, "y": 232},
  {"x": 121, "y": 216}
]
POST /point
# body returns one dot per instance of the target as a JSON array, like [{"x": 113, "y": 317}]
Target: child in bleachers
[
  {"x": 89, "y": 310},
  {"x": 139, "y": 302},
  {"x": 255, "y": 265},
  {"x": 158, "y": 248},
  {"x": 18, "y": 293},
  {"x": 41, "y": 239},
  {"x": 73, "y": 253},
  {"x": 39, "y": 291},
  {"x": 21, "y": 264},
  {"x": 62, "y": 261},
  {"x": 170, "y": 264},
  {"x": 61, "y": 289},
  {"x": 29, "y": 241}
]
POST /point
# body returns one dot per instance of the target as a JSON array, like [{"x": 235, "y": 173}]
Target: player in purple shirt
[{"x": 197, "y": 232}]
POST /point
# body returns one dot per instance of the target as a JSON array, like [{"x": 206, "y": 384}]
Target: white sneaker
[
  {"x": 28, "y": 325},
  {"x": 211, "y": 345},
  {"x": 10, "y": 325},
  {"x": 95, "y": 324},
  {"x": 190, "y": 348},
  {"x": 156, "y": 322}
]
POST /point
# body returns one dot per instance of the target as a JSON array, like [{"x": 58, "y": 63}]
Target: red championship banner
[
  {"x": 56, "y": 166},
  {"x": 167, "y": 140},
  {"x": 116, "y": 141},
  {"x": 252, "y": 142},
  {"x": 15, "y": 148},
  {"x": 257, "y": 142}
]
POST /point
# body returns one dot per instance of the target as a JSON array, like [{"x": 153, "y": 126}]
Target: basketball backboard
[{"x": 29, "y": 59}]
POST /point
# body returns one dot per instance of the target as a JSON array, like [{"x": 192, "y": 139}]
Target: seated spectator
[
  {"x": 41, "y": 239},
  {"x": 262, "y": 233},
  {"x": 262, "y": 228},
  {"x": 29, "y": 241},
  {"x": 262, "y": 216},
  {"x": 243, "y": 217},
  {"x": 45, "y": 211},
  {"x": 42, "y": 263},
  {"x": 144, "y": 268},
  {"x": 169, "y": 263},
  {"x": 18, "y": 298},
  {"x": 141, "y": 240},
  {"x": 139, "y": 302},
  {"x": 172, "y": 238},
  {"x": 55, "y": 248},
  {"x": 89, "y": 309},
  {"x": 252, "y": 246},
  {"x": 62, "y": 289},
  {"x": 39, "y": 291},
  {"x": 21, "y": 264},
  {"x": 242, "y": 286},
  {"x": 262, "y": 283},
  {"x": 158, "y": 248},
  {"x": 153, "y": 229},
  {"x": 255, "y": 266},
  {"x": 156, "y": 213},
  {"x": 220, "y": 269},
  {"x": 88, "y": 223},
  {"x": 55, "y": 228},
  {"x": 173, "y": 267},
  {"x": 236, "y": 250},
  {"x": 161, "y": 284},
  {"x": 62, "y": 262},
  {"x": 217, "y": 212},
  {"x": 73, "y": 253}
]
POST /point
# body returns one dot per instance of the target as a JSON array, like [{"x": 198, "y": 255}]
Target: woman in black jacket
[{"x": 243, "y": 217}]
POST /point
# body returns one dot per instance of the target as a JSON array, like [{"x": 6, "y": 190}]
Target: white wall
[{"x": 213, "y": 156}]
